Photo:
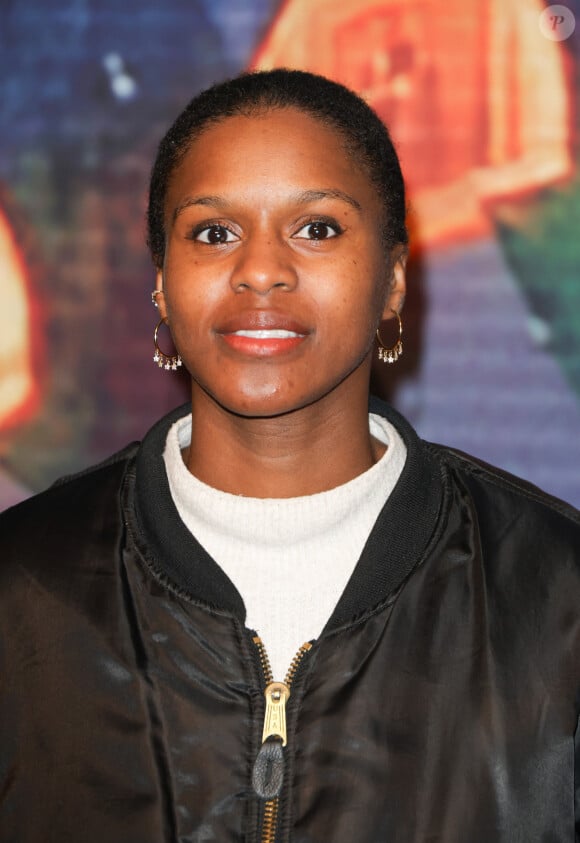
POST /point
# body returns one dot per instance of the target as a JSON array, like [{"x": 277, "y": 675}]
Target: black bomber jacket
[{"x": 439, "y": 705}]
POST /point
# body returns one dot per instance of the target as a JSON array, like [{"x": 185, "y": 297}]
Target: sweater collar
[
  {"x": 274, "y": 525},
  {"x": 395, "y": 545}
]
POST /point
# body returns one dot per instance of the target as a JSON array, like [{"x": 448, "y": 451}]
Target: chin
[
  {"x": 261, "y": 403},
  {"x": 263, "y": 408}
]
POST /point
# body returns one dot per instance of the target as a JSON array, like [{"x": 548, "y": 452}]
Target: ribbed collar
[
  {"x": 278, "y": 524},
  {"x": 395, "y": 546}
]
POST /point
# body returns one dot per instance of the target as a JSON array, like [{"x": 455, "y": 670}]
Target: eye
[
  {"x": 318, "y": 230},
  {"x": 214, "y": 235}
]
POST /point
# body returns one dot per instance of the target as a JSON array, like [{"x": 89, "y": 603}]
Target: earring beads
[
  {"x": 164, "y": 361},
  {"x": 392, "y": 354}
]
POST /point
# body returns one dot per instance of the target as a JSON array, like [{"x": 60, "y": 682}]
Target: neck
[{"x": 303, "y": 452}]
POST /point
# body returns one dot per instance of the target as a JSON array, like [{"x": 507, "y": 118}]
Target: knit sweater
[{"x": 289, "y": 558}]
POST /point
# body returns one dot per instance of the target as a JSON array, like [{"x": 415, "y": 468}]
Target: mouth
[
  {"x": 262, "y": 334},
  {"x": 262, "y": 323}
]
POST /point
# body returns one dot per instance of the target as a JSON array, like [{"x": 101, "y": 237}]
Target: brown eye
[
  {"x": 318, "y": 230},
  {"x": 215, "y": 235}
]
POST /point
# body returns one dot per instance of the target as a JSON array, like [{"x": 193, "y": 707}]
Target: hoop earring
[
  {"x": 391, "y": 355},
  {"x": 164, "y": 361}
]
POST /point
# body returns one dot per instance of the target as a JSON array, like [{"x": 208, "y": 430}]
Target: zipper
[{"x": 269, "y": 765}]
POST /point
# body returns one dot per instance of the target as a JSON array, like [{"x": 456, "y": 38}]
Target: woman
[{"x": 154, "y": 608}]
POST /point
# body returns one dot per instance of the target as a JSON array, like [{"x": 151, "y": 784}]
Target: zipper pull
[
  {"x": 268, "y": 772},
  {"x": 276, "y": 694}
]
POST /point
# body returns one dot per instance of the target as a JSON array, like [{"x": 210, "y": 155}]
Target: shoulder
[
  {"x": 70, "y": 495},
  {"x": 482, "y": 475},
  {"x": 506, "y": 506},
  {"x": 494, "y": 496},
  {"x": 52, "y": 523}
]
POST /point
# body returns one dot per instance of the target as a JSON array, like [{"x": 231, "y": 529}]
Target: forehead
[
  {"x": 288, "y": 124},
  {"x": 286, "y": 144}
]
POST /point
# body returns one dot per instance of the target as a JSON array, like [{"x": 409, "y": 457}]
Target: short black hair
[{"x": 365, "y": 136}]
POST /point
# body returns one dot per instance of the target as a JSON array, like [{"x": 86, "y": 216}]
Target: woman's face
[{"x": 275, "y": 275}]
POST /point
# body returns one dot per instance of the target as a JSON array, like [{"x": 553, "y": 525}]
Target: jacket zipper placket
[{"x": 276, "y": 695}]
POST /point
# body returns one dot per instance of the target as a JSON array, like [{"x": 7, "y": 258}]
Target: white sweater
[{"x": 290, "y": 558}]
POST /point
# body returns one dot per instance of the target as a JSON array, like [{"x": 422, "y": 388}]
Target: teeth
[{"x": 273, "y": 334}]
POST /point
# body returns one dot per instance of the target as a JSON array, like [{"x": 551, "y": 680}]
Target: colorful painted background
[{"x": 483, "y": 104}]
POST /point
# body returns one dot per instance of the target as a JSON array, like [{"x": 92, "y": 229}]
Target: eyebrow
[
  {"x": 302, "y": 198},
  {"x": 189, "y": 201},
  {"x": 332, "y": 193}
]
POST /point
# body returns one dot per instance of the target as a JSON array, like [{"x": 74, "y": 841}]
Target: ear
[
  {"x": 398, "y": 282},
  {"x": 160, "y": 298}
]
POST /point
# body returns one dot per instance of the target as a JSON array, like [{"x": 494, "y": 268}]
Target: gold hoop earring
[
  {"x": 164, "y": 361},
  {"x": 391, "y": 355}
]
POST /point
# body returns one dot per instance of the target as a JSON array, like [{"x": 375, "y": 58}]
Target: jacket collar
[{"x": 396, "y": 544}]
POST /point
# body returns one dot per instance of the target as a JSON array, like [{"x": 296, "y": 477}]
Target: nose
[{"x": 263, "y": 264}]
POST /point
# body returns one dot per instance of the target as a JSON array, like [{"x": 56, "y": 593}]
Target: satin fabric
[{"x": 447, "y": 712}]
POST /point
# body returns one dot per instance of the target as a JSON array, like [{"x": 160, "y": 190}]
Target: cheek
[
  {"x": 189, "y": 292},
  {"x": 368, "y": 288}
]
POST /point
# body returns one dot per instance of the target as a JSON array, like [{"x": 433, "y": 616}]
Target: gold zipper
[
  {"x": 276, "y": 694},
  {"x": 269, "y": 822}
]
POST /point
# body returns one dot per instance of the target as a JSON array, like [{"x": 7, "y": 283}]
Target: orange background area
[
  {"x": 475, "y": 96},
  {"x": 21, "y": 335}
]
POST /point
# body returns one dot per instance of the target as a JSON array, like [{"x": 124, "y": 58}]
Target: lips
[
  {"x": 262, "y": 333},
  {"x": 262, "y": 320}
]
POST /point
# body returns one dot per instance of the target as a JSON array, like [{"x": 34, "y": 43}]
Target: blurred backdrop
[{"x": 481, "y": 97}]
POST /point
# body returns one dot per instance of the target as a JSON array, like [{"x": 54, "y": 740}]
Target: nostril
[{"x": 263, "y": 282}]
